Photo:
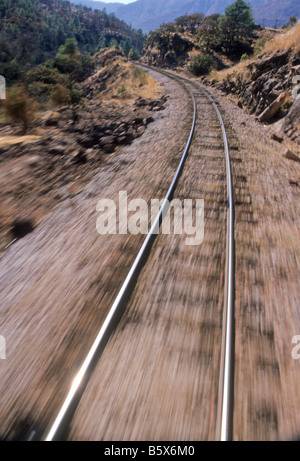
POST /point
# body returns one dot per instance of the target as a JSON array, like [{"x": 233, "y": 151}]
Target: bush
[
  {"x": 45, "y": 73},
  {"x": 18, "y": 106},
  {"x": 259, "y": 45},
  {"x": 201, "y": 64},
  {"x": 122, "y": 89},
  {"x": 60, "y": 95}
]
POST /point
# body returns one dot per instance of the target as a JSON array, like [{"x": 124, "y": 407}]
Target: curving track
[{"x": 166, "y": 346}]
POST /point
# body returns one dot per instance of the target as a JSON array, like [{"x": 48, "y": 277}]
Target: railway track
[{"x": 176, "y": 305}]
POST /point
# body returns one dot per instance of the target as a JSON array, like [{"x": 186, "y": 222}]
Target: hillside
[
  {"x": 150, "y": 14},
  {"x": 266, "y": 85},
  {"x": 193, "y": 37},
  {"x": 32, "y": 31}
]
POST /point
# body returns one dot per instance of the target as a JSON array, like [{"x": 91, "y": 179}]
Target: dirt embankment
[{"x": 61, "y": 153}]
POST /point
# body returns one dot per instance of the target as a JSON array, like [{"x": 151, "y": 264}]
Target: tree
[
  {"x": 70, "y": 61},
  {"x": 194, "y": 21},
  {"x": 291, "y": 22},
  {"x": 241, "y": 13},
  {"x": 190, "y": 22},
  {"x": 134, "y": 55},
  {"x": 69, "y": 48},
  {"x": 101, "y": 43},
  {"x": 235, "y": 27},
  {"x": 113, "y": 43},
  {"x": 126, "y": 45},
  {"x": 209, "y": 34}
]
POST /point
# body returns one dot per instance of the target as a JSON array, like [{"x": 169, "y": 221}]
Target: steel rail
[
  {"x": 224, "y": 426},
  {"x": 224, "y": 429},
  {"x": 61, "y": 422}
]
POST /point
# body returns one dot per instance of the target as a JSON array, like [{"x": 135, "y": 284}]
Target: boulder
[
  {"x": 87, "y": 141},
  {"x": 51, "y": 122},
  {"x": 22, "y": 227},
  {"x": 291, "y": 156},
  {"x": 108, "y": 144},
  {"x": 277, "y": 137},
  {"x": 57, "y": 150},
  {"x": 80, "y": 157},
  {"x": 273, "y": 108}
]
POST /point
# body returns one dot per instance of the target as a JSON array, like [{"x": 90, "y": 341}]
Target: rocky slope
[{"x": 266, "y": 86}]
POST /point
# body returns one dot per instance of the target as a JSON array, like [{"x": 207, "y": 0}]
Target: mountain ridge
[{"x": 149, "y": 15}]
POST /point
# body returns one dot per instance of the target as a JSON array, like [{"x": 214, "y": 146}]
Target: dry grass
[
  {"x": 130, "y": 83},
  {"x": 231, "y": 72},
  {"x": 8, "y": 141},
  {"x": 283, "y": 42}
]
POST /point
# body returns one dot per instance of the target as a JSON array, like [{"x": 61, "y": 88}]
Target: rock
[
  {"x": 140, "y": 102},
  {"x": 277, "y": 137},
  {"x": 33, "y": 161},
  {"x": 51, "y": 122},
  {"x": 264, "y": 65},
  {"x": 22, "y": 227},
  {"x": 141, "y": 130},
  {"x": 272, "y": 110},
  {"x": 291, "y": 156},
  {"x": 269, "y": 85},
  {"x": 87, "y": 141},
  {"x": 149, "y": 120},
  {"x": 62, "y": 192},
  {"x": 295, "y": 70},
  {"x": 291, "y": 121},
  {"x": 80, "y": 158},
  {"x": 122, "y": 139},
  {"x": 138, "y": 121},
  {"x": 108, "y": 144},
  {"x": 57, "y": 150}
]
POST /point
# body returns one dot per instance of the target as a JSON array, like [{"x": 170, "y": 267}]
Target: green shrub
[
  {"x": 244, "y": 57},
  {"x": 259, "y": 45},
  {"x": 122, "y": 89},
  {"x": 201, "y": 64}
]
